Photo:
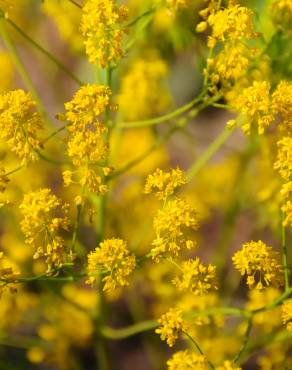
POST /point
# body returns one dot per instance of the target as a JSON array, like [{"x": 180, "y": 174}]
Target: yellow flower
[
  {"x": 256, "y": 107},
  {"x": 282, "y": 102},
  {"x": 103, "y": 31},
  {"x": 113, "y": 259},
  {"x": 163, "y": 183},
  {"x": 184, "y": 360},
  {"x": 6, "y": 273},
  {"x": 170, "y": 225},
  {"x": 284, "y": 158},
  {"x": 44, "y": 218},
  {"x": 287, "y": 314},
  {"x": 88, "y": 145},
  {"x": 20, "y": 123},
  {"x": 171, "y": 324},
  {"x": 143, "y": 83},
  {"x": 259, "y": 262},
  {"x": 228, "y": 365},
  {"x": 196, "y": 277},
  {"x": 234, "y": 22}
]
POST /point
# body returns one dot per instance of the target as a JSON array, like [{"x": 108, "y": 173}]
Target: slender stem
[
  {"x": 20, "y": 66},
  {"x": 76, "y": 226},
  {"x": 208, "y": 153},
  {"x": 15, "y": 170},
  {"x": 54, "y": 133},
  {"x": 47, "y": 159},
  {"x": 76, "y": 4},
  {"x": 141, "y": 16},
  {"x": 275, "y": 303},
  {"x": 210, "y": 365},
  {"x": 165, "y": 117},
  {"x": 245, "y": 340},
  {"x": 45, "y": 52},
  {"x": 129, "y": 331},
  {"x": 284, "y": 251}
]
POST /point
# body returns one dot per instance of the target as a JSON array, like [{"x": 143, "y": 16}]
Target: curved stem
[
  {"x": 245, "y": 341},
  {"x": 208, "y": 153},
  {"x": 128, "y": 331},
  {"x": 211, "y": 366},
  {"x": 50, "y": 56},
  {"x": 165, "y": 117}
]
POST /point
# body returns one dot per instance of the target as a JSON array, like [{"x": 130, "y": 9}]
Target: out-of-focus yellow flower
[
  {"x": 143, "y": 83},
  {"x": 287, "y": 314},
  {"x": 103, "y": 31},
  {"x": 185, "y": 360}
]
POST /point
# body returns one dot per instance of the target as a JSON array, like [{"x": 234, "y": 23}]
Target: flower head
[
  {"x": 228, "y": 365},
  {"x": 103, "y": 31},
  {"x": 165, "y": 183},
  {"x": 287, "y": 314},
  {"x": 20, "y": 123},
  {"x": 113, "y": 258},
  {"x": 44, "y": 218},
  {"x": 196, "y": 277},
  {"x": 171, "y": 324},
  {"x": 170, "y": 225},
  {"x": 185, "y": 360},
  {"x": 259, "y": 262}
]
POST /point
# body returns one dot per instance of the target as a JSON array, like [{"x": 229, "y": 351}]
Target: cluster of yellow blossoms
[
  {"x": 287, "y": 314},
  {"x": 44, "y": 219},
  {"x": 88, "y": 143},
  {"x": 143, "y": 83},
  {"x": 185, "y": 360},
  {"x": 6, "y": 273},
  {"x": 231, "y": 26},
  {"x": 172, "y": 324},
  {"x": 112, "y": 259},
  {"x": 20, "y": 123},
  {"x": 259, "y": 262},
  {"x": 103, "y": 30}
]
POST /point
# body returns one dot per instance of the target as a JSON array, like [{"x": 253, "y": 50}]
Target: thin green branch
[
  {"x": 245, "y": 341},
  {"x": 208, "y": 153},
  {"x": 45, "y": 52},
  {"x": 116, "y": 334},
  {"x": 284, "y": 252},
  {"x": 15, "y": 170},
  {"x": 166, "y": 117},
  {"x": 210, "y": 365},
  {"x": 54, "y": 133}
]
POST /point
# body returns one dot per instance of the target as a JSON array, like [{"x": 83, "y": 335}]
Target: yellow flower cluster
[
  {"x": 101, "y": 26},
  {"x": 143, "y": 83},
  {"x": 287, "y": 314},
  {"x": 228, "y": 365},
  {"x": 282, "y": 14},
  {"x": 196, "y": 277},
  {"x": 232, "y": 23},
  {"x": 256, "y": 106},
  {"x": 164, "y": 184},
  {"x": 113, "y": 259},
  {"x": 171, "y": 324},
  {"x": 284, "y": 166},
  {"x": 259, "y": 262},
  {"x": 88, "y": 144},
  {"x": 44, "y": 218},
  {"x": 185, "y": 360},
  {"x": 282, "y": 103},
  {"x": 20, "y": 123},
  {"x": 170, "y": 225},
  {"x": 6, "y": 272},
  {"x": 3, "y": 179}
]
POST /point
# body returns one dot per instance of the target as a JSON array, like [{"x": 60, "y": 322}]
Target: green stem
[
  {"x": 20, "y": 66},
  {"x": 15, "y": 170},
  {"x": 284, "y": 251},
  {"x": 245, "y": 341},
  {"x": 37, "y": 46},
  {"x": 165, "y": 117},
  {"x": 54, "y": 133},
  {"x": 49, "y": 160},
  {"x": 76, "y": 4},
  {"x": 140, "y": 327},
  {"x": 275, "y": 303},
  {"x": 210, "y": 365},
  {"x": 208, "y": 153}
]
